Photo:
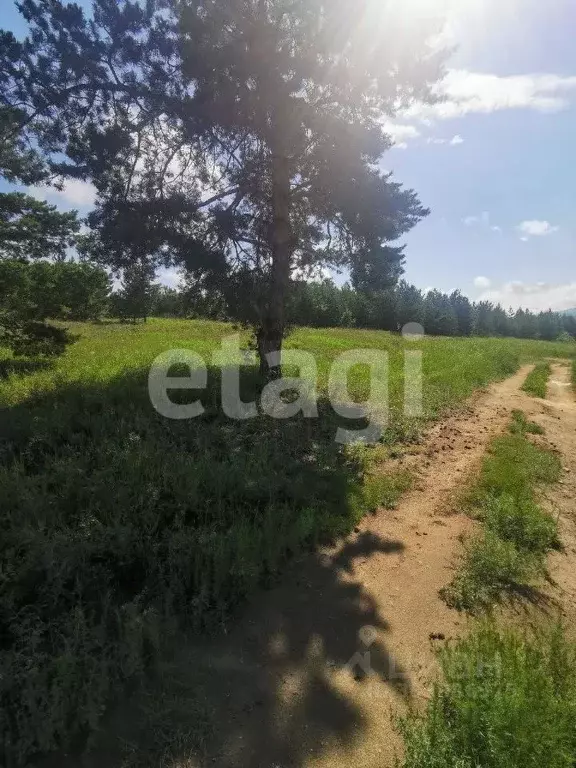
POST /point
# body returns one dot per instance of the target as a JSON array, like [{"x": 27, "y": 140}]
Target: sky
[{"x": 494, "y": 160}]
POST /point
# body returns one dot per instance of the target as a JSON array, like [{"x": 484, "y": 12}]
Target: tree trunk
[{"x": 271, "y": 333}]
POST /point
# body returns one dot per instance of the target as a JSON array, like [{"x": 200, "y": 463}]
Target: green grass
[
  {"x": 536, "y": 383},
  {"x": 453, "y": 368},
  {"x": 520, "y": 425},
  {"x": 517, "y": 533},
  {"x": 505, "y": 701},
  {"x": 120, "y": 526},
  {"x": 574, "y": 374}
]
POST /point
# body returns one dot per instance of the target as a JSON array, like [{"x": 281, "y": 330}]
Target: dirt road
[{"x": 315, "y": 670}]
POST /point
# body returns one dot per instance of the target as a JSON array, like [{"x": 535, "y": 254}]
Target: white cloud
[
  {"x": 453, "y": 142},
  {"x": 169, "y": 276},
  {"x": 482, "y": 282},
  {"x": 463, "y": 92},
  {"x": 400, "y": 133},
  {"x": 535, "y": 296},
  {"x": 483, "y": 218},
  {"x": 75, "y": 193},
  {"x": 535, "y": 228}
]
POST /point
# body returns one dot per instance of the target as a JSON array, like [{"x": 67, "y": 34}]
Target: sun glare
[{"x": 429, "y": 8}]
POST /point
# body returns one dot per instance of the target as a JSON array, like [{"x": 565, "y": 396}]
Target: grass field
[{"x": 120, "y": 526}]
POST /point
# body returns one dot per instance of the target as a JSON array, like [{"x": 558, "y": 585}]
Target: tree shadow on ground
[
  {"x": 277, "y": 690},
  {"x": 314, "y": 638},
  {"x": 193, "y": 522},
  {"x": 21, "y": 367}
]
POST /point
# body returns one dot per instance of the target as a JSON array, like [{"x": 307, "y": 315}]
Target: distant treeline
[
  {"x": 82, "y": 291},
  {"x": 326, "y": 305}
]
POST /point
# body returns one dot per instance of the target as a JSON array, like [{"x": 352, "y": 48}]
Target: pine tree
[
  {"x": 134, "y": 300},
  {"x": 33, "y": 229},
  {"x": 29, "y": 229},
  {"x": 439, "y": 315},
  {"x": 463, "y": 310},
  {"x": 236, "y": 137}
]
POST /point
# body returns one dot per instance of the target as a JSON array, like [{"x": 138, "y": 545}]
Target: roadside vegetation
[
  {"x": 506, "y": 700},
  {"x": 509, "y": 553},
  {"x": 536, "y": 383},
  {"x": 121, "y": 526}
]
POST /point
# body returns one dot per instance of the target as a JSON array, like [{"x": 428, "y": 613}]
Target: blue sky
[
  {"x": 503, "y": 200},
  {"x": 494, "y": 161}
]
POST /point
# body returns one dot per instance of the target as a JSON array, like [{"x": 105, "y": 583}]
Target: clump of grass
[
  {"x": 513, "y": 466},
  {"x": 536, "y": 383},
  {"x": 174, "y": 719},
  {"x": 517, "y": 533},
  {"x": 574, "y": 374},
  {"x": 522, "y": 522},
  {"x": 520, "y": 425},
  {"x": 490, "y": 566},
  {"x": 505, "y": 701},
  {"x": 386, "y": 490}
]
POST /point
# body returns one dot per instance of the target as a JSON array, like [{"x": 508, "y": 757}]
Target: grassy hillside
[{"x": 121, "y": 525}]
